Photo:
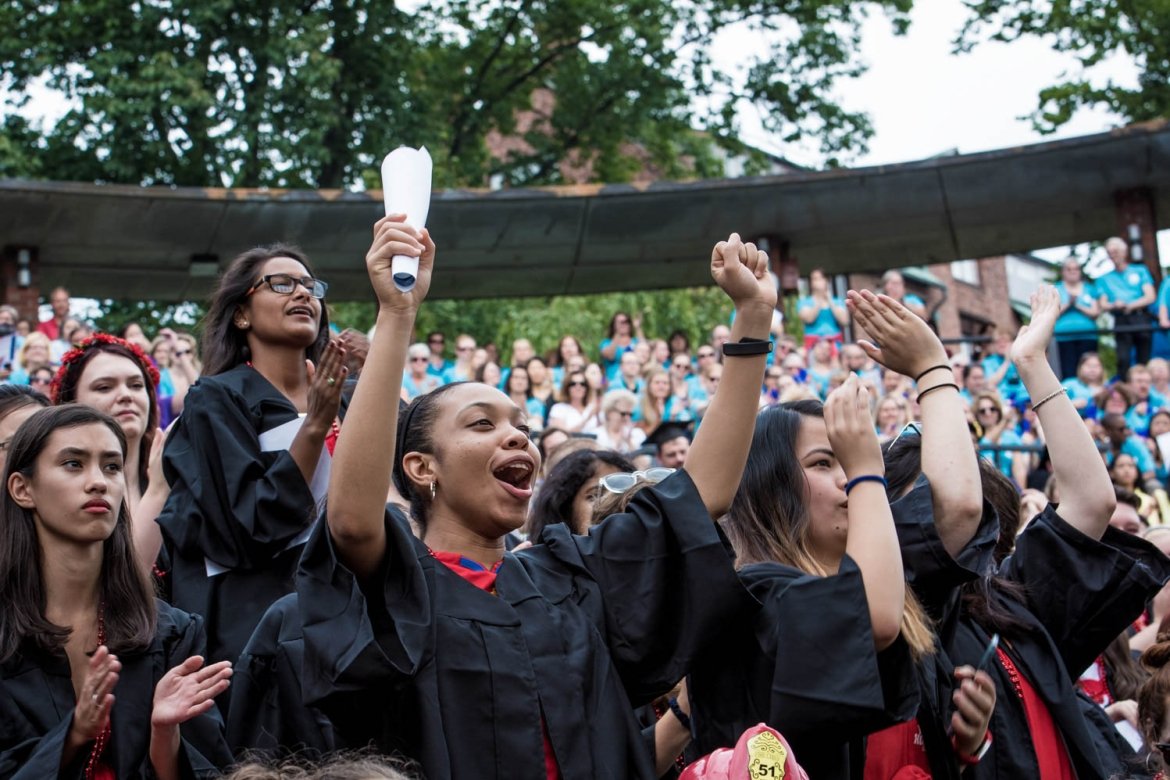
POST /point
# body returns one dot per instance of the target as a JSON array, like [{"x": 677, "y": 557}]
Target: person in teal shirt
[
  {"x": 823, "y": 315},
  {"x": 1161, "y": 345},
  {"x": 894, "y": 286},
  {"x": 1076, "y": 328},
  {"x": 1127, "y": 291}
]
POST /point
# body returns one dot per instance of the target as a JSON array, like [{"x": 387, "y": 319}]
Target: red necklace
[{"x": 103, "y": 739}]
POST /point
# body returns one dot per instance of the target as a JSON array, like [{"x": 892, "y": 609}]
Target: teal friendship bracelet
[{"x": 865, "y": 478}]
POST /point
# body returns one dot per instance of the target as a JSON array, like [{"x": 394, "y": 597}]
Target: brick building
[{"x": 967, "y": 298}]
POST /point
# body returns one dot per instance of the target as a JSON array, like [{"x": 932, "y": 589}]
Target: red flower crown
[{"x": 75, "y": 354}]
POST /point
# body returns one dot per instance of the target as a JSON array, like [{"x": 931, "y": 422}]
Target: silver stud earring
[{"x": 433, "y": 490}]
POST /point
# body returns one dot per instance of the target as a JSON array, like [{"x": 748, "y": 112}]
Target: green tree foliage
[
  {"x": 313, "y": 93},
  {"x": 1090, "y": 30},
  {"x": 544, "y": 320}
]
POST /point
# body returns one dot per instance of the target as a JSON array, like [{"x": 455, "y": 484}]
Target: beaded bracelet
[
  {"x": 932, "y": 368},
  {"x": 865, "y": 478},
  {"x": 1036, "y": 406},
  {"x": 922, "y": 393}
]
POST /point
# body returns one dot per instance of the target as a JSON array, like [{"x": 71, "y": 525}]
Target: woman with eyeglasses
[
  {"x": 248, "y": 460},
  {"x": 577, "y": 404},
  {"x": 481, "y": 663},
  {"x": 98, "y": 680},
  {"x": 999, "y": 428},
  {"x": 618, "y": 431},
  {"x": 417, "y": 378}
]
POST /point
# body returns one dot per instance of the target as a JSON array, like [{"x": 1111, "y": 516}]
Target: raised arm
[
  {"x": 1086, "y": 493},
  {"x": 364, "y": 456},
  {"x": 872, "y": 542},
  {"x": 910, "y": 347},
  {"x": 719, "y": 453}
]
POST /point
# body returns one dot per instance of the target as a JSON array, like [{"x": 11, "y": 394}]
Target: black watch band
[{"x": 747, "y": 347}]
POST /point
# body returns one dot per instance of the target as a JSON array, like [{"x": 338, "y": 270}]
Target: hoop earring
[{"x": 433, "y": 491}]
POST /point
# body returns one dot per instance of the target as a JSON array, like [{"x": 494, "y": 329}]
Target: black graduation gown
[
  {"x": 1079, "y": 594},
  {"x": 583, "y": 629},
  {"x": 239, "y": 510},
  {"x": 805, "y": 664},
  {"x": 37, "y": 701},
  {"x": 267, "y": 715},
  {"x": 936, "y": 578}
]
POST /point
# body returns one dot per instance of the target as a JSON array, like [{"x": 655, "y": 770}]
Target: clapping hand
[
  {"x": 188, "y": 690},
  {"x": 95, "y": 699},
  {"x": 1032, "y": 341},
  {"x": 908, "y": 345},
  {"x": 850, "y": 428}
]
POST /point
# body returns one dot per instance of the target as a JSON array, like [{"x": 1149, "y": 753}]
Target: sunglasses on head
[{"x": 621, "y": 483}]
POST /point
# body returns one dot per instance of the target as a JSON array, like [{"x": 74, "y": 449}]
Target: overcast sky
[{"x": 923, "y": 100}]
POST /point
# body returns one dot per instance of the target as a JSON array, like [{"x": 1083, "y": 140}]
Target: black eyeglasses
[
  {"x": 987, "y": 410},
  {"x": 577, "y": 384},
  {"x": 1164, "y": 749},
  {"x": 286, "y": 284}
]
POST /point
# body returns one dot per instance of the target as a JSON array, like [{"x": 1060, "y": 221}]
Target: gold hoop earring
[{"x": 433, "y": 491}]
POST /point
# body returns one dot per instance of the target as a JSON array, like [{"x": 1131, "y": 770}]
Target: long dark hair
[
  {"x": 416, "y": 425},
  {"x": 130, "y": 612},
  {"x": 554, "y": 502},
  {"x": 224, "y": 345},
  {"x": 769, "y": 521},
  {"x": 73, "y": 366}
]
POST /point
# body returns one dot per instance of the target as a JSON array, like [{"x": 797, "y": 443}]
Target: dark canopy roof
[{"x": 138, "y": 242}]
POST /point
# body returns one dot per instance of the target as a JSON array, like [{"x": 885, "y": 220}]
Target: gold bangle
[{"x": 1036, "y": 406}]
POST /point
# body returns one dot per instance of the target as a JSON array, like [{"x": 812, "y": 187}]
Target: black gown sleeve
[
  {"x": 29, "y": 756},
  {"x": 931, "y": 572},
  {"x": 230, "y": 501},
  {"x": 203, "y": 751},
  {"x": 1083, "y": 591},
  {"x": 344, "y": 650},
  {"x": 666, "y": 579},
  {"x": 824, "y": 668},
  {"x": 267, "y": 715}
]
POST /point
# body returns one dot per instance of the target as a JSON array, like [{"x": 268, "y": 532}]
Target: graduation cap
[{"x": 668, "y": 431}]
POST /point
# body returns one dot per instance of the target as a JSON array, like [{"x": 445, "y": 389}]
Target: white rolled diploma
[{"x": 406, "y": 189}]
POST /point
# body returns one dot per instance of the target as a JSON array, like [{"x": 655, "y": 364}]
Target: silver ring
[
  {"x": 94, "y": 699},
  {"x": 331, "y": 381}
]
